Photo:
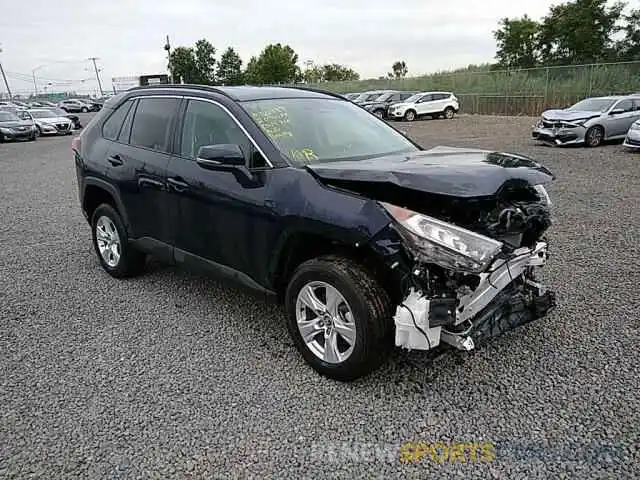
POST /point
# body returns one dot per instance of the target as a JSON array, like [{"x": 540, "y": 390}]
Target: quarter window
[
  {"x": 625, "y": 105},
  {"x": 151, "y": 123},
  {"x": 111, "y": 127}
]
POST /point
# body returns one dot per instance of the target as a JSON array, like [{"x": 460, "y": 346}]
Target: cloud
[{"x": 128, "y": 36}]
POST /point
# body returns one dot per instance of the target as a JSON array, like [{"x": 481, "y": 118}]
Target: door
[
  {"x": 137, "y": 163},
  {"x": 221, "y": 216},
  {"x": 424, "y": 105},
  {"x": 619, "y": 123}
]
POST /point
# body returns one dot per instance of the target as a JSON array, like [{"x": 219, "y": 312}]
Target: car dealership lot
[{"x": 173, "y": 374}]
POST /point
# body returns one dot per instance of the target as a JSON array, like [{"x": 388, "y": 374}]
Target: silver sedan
[{"x": 589, "y": 122}]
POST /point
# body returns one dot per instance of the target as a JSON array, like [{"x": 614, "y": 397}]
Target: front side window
[
  {"x": 310, "y": 130},
  {"x": 151, "y": 123},
  {"x": 206, "y": 123},
  {"x": 624, "y": 105}
]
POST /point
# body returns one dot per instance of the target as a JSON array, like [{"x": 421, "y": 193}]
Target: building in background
[{"x": 120, "y": 84}]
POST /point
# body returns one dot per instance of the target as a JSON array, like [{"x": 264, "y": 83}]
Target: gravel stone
[{"x": 174, "y": 375}]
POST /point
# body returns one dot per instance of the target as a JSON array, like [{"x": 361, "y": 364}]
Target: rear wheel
[
  {"x": 449, "y": 113},
  {"x": 410, "y": 115},
  {"x": 594, "y": 136},
  {"x": 118, "y": 258},
  {"x": 339, "y": 317}
]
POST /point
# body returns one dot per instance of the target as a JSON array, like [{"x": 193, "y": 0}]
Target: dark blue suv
[{"x": 369, "y": 239}]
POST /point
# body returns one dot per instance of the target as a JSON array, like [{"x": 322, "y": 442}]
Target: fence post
[
  {"x": 546, "y": 89},
  {"x": 590, "y": 80}
]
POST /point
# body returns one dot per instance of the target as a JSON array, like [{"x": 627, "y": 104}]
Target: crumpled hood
[
  {"x": 569, "y": 115},
  {"x": 459, "y": 172}
]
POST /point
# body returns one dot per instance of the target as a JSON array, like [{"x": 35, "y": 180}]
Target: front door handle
[
  {"x": 178, "y": 184},
  {"x": 115, "y": 160}
]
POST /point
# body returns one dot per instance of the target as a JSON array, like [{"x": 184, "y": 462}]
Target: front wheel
[
  {"x": 379, "y": 113},
  {"x": 594, "y": 136},
  {"x": 339, "y": 317},
  {"x": 118, "y": 258},
  {"x": 84, "y": 110},
  {"x": 38, "y": 131},
  {"x": 410, "y": 116}
]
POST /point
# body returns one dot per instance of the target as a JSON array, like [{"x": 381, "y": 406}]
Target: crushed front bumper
[
  {"x": 505, "y": 298},
  {"x": 569, "y": 134}
]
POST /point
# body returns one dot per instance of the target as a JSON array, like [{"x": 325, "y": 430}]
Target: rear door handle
[
  {"x": 115, "y": 160},
  {"x": 178, "y": 184}
]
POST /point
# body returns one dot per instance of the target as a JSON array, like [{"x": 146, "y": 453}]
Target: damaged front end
[{"x": 464, "y": 287}]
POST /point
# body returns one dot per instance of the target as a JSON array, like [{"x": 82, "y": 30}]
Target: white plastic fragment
[{"x": 407, "y": 335}]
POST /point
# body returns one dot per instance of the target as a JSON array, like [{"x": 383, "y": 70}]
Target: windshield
[
  {"x": 8, "y": 117},
  {"x": 42, "y": 114},
  {"x": 312, "y": 130},
  {"x": 593, "y": 105},
  {"x": 384, "y": 97}
]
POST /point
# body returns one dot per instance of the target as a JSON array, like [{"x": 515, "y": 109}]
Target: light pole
[
  {"x": 35, "y": 84},
  {"x": 95, "y": 67}
]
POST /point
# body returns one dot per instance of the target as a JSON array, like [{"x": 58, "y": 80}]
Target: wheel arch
[{"x": 96, "y": 192}]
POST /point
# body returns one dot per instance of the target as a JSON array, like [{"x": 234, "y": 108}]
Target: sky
[{"x": 127, "y": 36}]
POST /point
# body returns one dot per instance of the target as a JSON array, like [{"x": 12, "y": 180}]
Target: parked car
[
  {"x": 352, "y": 96},
  {"x": 47, "y": 104},
  {"x": 50, "y": 123},
  {"x": 74, "y": 106},
  {"x": 299, "y": 194},
  {"x": 380, "y": 106},
  {"x": 589, "y": 122},
  {"x": 425, "y": 104},
  {"x": 632, "y": 140},
  {"x": 14, "y": 128},
  {"x": 369, "y": 96},
  {"x": 74, "y": 118}
]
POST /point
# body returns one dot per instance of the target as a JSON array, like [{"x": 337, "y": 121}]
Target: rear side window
[
  {"x": 151, "y": 123},
  {"x": 111, "y": 127}
]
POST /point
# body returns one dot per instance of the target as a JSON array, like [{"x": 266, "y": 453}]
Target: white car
[
  {"x": 632, "y": 140},
  {"x": 50, "y": 123},
  {"x": 432, "y": 104}
]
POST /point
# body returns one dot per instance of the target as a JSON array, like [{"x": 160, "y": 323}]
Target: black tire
[
  {"x": 84, "y": 110},
  {"x": 38, "y": 131},
  {"x": 371, "y": 312},
  {"x": 594, "y": 136},
  {"x": 449, "y": 113},
  {"x": 132, "y": 261},
  {"x": 33, "y": 137},
  {"x": 410, "y": 115},
  {"x": 379, "y": 113}
]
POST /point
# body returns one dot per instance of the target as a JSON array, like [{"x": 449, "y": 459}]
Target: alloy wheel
[
  {"x": 325, "y": 322},
  {"x": 108, "y": 241}
]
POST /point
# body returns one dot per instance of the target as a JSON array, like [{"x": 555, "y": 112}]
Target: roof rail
[
  {"x": 311, "y": 89},
  {"x": 185, "y": 86}
]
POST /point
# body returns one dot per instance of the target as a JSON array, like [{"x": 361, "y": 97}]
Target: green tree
[
  {"x": 629, "y": 47},
  {"x": 314, "y": 74},
  {"x": 183, "y": 66},
  {"x": 230, "y": 68},
  {"x": 205, "y": 61},
  {"x": 517, "y": 42},
  {"x": 399, "y": 69},
  {"x": 580, "y": 31},
  {"x": 277, "y": 63},
  {"x": 338, "y": 73}
]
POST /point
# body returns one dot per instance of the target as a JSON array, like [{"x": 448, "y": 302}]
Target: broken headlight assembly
[{"x": 445, "y": 244}]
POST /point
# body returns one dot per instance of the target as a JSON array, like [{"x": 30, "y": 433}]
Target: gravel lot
[{"x": 172, "y": 375}]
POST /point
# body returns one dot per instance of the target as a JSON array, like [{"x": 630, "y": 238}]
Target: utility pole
[
  {"x": 95, "y": 67},
  {"x": 167, "y": 47},
  {"x": 4, "y": 77},
  {"x": 35, "y": 84}
]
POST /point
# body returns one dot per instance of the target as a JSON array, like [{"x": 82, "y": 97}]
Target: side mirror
[
  {"x": 616, "y": 111},
  {"x": 220, "y": 155}
]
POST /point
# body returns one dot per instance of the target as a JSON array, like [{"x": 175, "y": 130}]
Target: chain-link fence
[{"x": 515, "y": 92}]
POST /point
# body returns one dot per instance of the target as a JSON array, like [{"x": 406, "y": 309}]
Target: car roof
[{"x": 246, "y": 92}]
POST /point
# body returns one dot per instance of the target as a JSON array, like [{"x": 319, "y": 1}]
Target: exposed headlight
[
  {"x": 544, "y": 196},
  {"x": 5, "y": 130},
  {"x": 445, "y": 244}
]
